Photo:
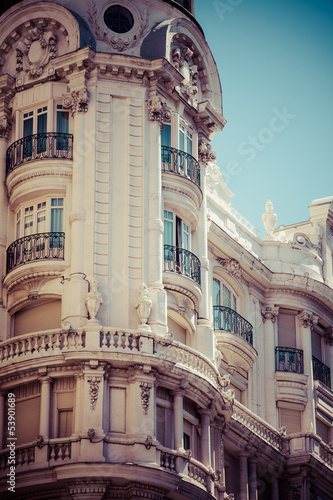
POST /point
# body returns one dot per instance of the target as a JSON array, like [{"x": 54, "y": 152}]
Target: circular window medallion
[{"x": 118, "y": 19}]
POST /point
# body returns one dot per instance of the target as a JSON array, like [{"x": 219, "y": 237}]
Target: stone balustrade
[
  {"x": 258, "y": 427},
  {"x": 113, "y": 340},
  {"x": 168, "y": 460},
  {"x": 46, "y": 343},
  {"x": 24, "y": 455},
  {"x": 59, "y": 450}
]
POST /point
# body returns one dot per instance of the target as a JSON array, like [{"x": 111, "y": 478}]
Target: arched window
[{"x": 224, "y": 302}]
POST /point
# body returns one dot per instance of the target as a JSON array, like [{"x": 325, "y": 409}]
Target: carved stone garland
[
  {"x": 36, "y": 50},
  {"x": 93, "y": 390},
  {"x": 118, "y": 43},
  {"x": 145, "y": 396},
  {"x": 188, "y": 87}
]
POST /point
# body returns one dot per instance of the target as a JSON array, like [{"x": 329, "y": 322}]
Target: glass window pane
[
  {"x": 216, "y": 292},
  {"x": 226, "y": 297},
  {"x": 166, "y": 136}
]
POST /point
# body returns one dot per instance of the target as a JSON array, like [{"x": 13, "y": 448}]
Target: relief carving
[
  {"x": 308, "y": 320},
  {"x": 145, "y": 396},
  {"x": 158, "y": 111},
  {"x": 206, "y": 153},
  {"x": 118, "y": 43},
  {"x": 269, "y": 313},
  {"x": 232, "y": 266},
  {"x": 35, "y": 51},
  {"x": 77, "y": 101},
  {"x": 182, "y": 57},
  {"x": 93, "y": 390}
]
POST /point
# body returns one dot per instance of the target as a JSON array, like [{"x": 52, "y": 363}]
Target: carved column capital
[
  {"x": 268, "y": 312},
  {"x": 77, "y": 101},
  {"x": 308, "y": 320},
  {"x": 4, "y": 127},
  {"x": 158, "y": 110}
]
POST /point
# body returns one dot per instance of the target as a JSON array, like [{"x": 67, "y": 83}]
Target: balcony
[
  {"x": 180, "y": 163},
  {"x": 35, "y": 247},
  {"x": 228, "y": 320},
  {"x": 321, "y": 372},
  {"x": 288, "y": 359},
  {"x": 181, "y": 261},
  {"x": 47, "y": 145},
  {"x": 234, "y": 335}
]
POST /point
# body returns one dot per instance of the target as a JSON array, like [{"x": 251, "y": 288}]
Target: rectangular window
[
  {"x": 291, "y": 419},
  {"x": 62, "y": 128},
  {"x": 286, "y": 328},
  {"x": 65, "y": 423}
]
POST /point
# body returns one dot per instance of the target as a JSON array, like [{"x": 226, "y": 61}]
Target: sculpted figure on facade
[
  {"x": 269, "y": 219},
  {"x": 143, "y": 306},
  {"x": 93, "y": 300}
]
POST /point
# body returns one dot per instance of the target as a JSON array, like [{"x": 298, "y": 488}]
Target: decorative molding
[
  {"x": 47, "y": 275},
  {"x": 232, "y": 266},
  {"x": 16, "y": 177},
  {"x": 93, "y": 390},
  {"x": 329, "y": 335},
  {"x": 4, "y": 127},
  {"x": 302, "y": 240},
  {"x": 35, "y": 51},
  {"x": 158, "y": 110},
  {"x": 296, "y": 491},
  {"x": 308, "y": 320},
  {"x": 206, "y": 153},
  {"x": 268, "y": 312},
  {"x": 180, "y": 189},
  {"x": 182, "y": 58},
  {"x": 33, "y": 287},
  {"x": 145, "y": 396},
  {"x": 118, "y": 43},
  {"x": 77, "y": 101},
  {"x": 3, "y": 240}
]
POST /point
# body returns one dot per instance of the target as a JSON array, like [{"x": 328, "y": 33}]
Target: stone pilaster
[
  {"x": 269, "y": 315},
  {"x": 243, "y": 477}
]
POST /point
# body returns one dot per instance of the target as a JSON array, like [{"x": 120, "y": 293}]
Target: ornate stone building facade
[{"x": 152, "y": 346}]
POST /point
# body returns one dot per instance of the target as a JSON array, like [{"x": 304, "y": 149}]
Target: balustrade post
[
  {"x": 269, "y": 315},
  {"x": 307, "y": 321}
]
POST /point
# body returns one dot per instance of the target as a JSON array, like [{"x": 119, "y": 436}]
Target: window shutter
[{"x": 291, "y": 419}]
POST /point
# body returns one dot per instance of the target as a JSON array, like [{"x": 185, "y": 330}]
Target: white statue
[{"x": 269, "y": 219}]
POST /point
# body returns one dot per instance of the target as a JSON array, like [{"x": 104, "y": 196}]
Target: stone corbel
[
  {"x": 77, "y": 101},
  {"x": 158, "y": 111},
  {"x": 205, "y": 152},
  {"x": 4, "y": 127},
  {"x": 308, "y": 320},
  {"x": 268, "y": 312}
]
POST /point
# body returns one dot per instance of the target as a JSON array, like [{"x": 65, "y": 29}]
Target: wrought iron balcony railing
[
  {"x": 288, "y": 359},
  {"x": 182, "y": 261},
  {"x": 35, "y": 247},
  {"x": 38, "y": 147},
  {"x": 321, "y": 372},
  {"x": 228, "y": 320},
  {"x": 181, "y": 163}
]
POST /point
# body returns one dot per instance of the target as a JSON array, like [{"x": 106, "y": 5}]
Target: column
[
  {"x": 158, "y": 112},
  {"x": 76, "y": 287},
  {"x": 3, "y": 222},
  {"x": 178, "y": 420},
  {"x": 45, "y": 397},
  {"x": 275, "y": 489},
  {"x": 307, "y": 321},
  {"x": 2, "y": 418},
  {"x": 243, "y": 477},
  {"x": 205, "y": 332},
  {"x": 205, "y": 437},
  {"x": 253, "y": 479},
  {"x": 269, "y": 315}
]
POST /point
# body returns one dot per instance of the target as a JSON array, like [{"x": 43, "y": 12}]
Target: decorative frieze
[
  {"x": 77, "y": 101},
  {"x": 308, "y": 320},
  {"x": 268, "y": 312},
  {"x": 35, "y": 51},
  {"x": 93, "y": 390},
  {"x": 116, "y": 42},
  {"x": 296, "y": 490},
  {"x": 145, "y": 396},
  {"x": 158, "y": 110}
]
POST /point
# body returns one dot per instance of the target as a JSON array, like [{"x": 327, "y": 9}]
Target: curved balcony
[
  {"x": 180, "y": 163},
  {"x": 321, "y": 372},
  {"x": 228, "y": 320},
  {"x": 46, "y": 145},
  {"x": 288, "y": 359},
  {"x": 234, "y": 336},
  {"x": 182, "y": 261},
  {"x": 36, "y": 247}
]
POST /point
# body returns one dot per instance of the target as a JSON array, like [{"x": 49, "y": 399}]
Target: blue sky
[{"x": 275, "y": 61}]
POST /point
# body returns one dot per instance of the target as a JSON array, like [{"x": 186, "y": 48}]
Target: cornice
[
  {"x": 15, "y": 178},
  {"x": 23, "y": 275}
]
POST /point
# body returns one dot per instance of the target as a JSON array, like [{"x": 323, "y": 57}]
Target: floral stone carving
[
  {"x": 145, "y": 396},
  {"x": 308, "y": 320},
  {"x": 77, "y": 101},
  {"x": 118, "y": 43},
  {"x": 93, "y": 390},
  {"x": 158, "y": 111},
  {"x": 205, "y": 152},
  {"x": 269, "y": 313}
]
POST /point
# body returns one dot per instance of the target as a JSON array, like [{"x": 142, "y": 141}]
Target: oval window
[{"x": 118, "y": 19}]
